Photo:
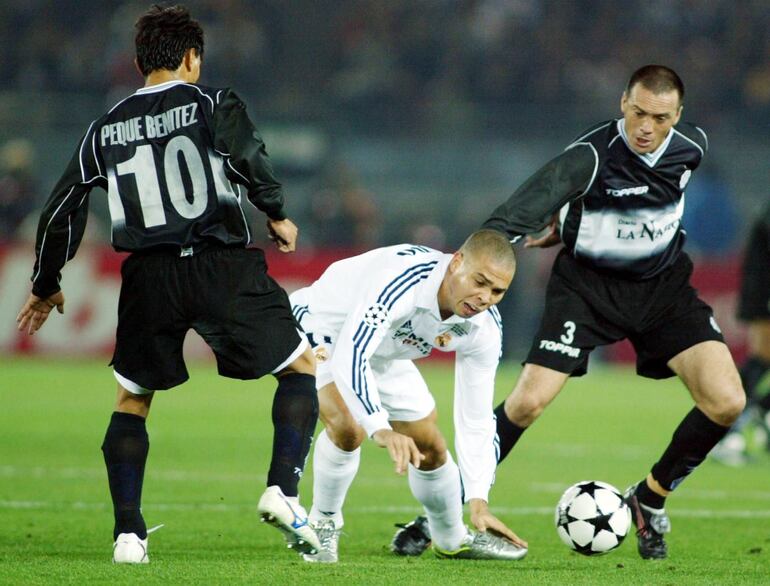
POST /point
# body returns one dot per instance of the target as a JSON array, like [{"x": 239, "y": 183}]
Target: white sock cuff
[
  {"x": 446, "y": 468},
  {"x": 332, "y": 452}
]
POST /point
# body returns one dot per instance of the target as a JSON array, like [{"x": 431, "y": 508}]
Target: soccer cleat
[
  {"x": 329, "y": 536},
  {"x": 289, "y": 518},
  {"x": 412, "y": 538},
  {"x": 651, "y": 524},
  {"x": 483, "y": 546},
  {"x": 129, "y": 549}
]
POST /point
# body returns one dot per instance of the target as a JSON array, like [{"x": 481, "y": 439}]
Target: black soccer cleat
[
  {"x": 412, "y": 538},
  {"x": 650, "y": 527}
]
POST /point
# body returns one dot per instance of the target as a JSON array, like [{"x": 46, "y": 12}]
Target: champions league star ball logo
[
  {"x": 376, "y": 315},
  {"x": 592, "y": 518}
]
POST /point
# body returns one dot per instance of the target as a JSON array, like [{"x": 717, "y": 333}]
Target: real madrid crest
[{"x": 442, "y": 340}]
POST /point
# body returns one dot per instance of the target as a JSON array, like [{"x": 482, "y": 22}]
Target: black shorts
[
  {"x": 584, "y": 308},
  {"x": 224, "y": 294},
  {"x": 754, "y": 297}
]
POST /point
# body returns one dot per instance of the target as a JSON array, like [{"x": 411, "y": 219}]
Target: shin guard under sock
[
  {"x": 508, "y": 433},
  {"x": 295, "y": 413},
  {"x": 690, "y": 444},
  {"x": 125, "y": 449}
]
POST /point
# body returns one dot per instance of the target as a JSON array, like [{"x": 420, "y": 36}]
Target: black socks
[
  {"x": 125, "y": 450},
  {"x": 752, "y": 371},
  {"x": 647, "y": 497},
  {"x": 508, "y": 433},
  {"x": 690, "y": 444},
  {"x": 295, "y": 413}
]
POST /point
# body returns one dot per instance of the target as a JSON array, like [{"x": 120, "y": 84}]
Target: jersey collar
[
  {"x": 160, "y": 87},
  {"x": 650, "y": 158}
]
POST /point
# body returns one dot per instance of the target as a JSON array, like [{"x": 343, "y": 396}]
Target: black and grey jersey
[
  {"x": 173, "y": 159},
  {"x": 619, "y": 211}
]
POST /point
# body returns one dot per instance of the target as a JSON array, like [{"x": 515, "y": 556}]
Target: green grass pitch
[{"x": 210, "y": 447}]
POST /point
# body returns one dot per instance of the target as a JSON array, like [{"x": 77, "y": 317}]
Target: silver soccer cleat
[
  {"x": 483, "y": 546},
  {"x": 329, "y": 536},
  {"x": 291, "y": 519}
]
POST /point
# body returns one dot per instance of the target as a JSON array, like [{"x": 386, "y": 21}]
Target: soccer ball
[{"x": 592, "y": 518}]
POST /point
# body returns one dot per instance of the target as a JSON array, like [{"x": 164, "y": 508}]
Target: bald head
[{"x": 492, "y": 245}]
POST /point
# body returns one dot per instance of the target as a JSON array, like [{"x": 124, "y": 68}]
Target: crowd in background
[
  {"x": 399, "y": 67},
  {"x": 404, "y": 53}
]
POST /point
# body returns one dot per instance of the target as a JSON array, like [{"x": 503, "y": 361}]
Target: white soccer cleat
[
  {"x": 290, "y": 518},
  {"x": 129, "y": 549},
  {"x": 329, "y": 536}
]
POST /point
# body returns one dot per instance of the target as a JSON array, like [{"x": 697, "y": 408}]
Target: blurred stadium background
[{"x": 388, "y": 121}]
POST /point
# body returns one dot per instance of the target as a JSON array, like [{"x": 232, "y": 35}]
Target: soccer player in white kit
[{"x": 368, "y": 317}]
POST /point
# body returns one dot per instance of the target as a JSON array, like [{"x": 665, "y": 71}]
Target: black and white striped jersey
[
  {"x": 172, "y": 158},
  {"x": 619, "y": 210}
]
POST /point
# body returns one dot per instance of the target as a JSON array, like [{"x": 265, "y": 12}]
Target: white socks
[
  {"x": 439, "y": 492},
  {"x": 333, "y": 473}
]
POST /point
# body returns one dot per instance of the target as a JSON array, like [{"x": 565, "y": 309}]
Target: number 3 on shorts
[{"x": 568, "y": 337}]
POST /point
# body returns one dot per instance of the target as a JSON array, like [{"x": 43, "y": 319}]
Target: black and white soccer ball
[{"x": 592, "y": 518}]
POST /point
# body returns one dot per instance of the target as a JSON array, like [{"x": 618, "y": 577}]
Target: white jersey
[{"x": 383, "y": 305}]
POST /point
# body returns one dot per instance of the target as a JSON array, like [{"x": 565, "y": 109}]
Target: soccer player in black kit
[
  {"x": 174, "y": 158},
  {"x": 617, "y": 193}
]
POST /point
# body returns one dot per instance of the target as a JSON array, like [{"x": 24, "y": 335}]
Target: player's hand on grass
[
  {"x": 283, "y": 233},
  {"x": 401, "y": 448},
  {"x": 550, "y": 238},
  {"x": 35, "y": 311},
  {"x": 483, "y": 520}
]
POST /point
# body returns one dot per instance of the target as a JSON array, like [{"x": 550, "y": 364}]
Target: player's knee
[
  {"x": 344, "y": 432},
  {"x": 435, "y": 453},
  {"x": 729, "y": 409},
  {"x": 725, "y": 409},
  {"x": 523, "y": 408}
]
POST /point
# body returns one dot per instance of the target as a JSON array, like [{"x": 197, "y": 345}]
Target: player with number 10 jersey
[
  {"x": 173, "y": 158},
  {"x": 194, "y": 145}
]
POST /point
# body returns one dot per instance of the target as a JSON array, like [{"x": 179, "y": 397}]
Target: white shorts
[{"x": 403, "y": 391}]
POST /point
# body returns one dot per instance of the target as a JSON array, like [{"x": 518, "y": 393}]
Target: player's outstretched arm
[
  {"x": 550, "y": 238},
  {"x": 561, "y": 180},
  {"x": 283, "y": 233},
  {"x": 401, "y": 448},
  {"x": 35, "y": 311},
  {"x": 483, "y": 520}
]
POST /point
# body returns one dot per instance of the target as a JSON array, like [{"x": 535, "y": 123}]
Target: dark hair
[
  {"x": 163, "y": 35},
  {"x": 657, "y": 79}
]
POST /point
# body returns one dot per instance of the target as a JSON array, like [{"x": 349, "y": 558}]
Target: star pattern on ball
[
  {"x": 591, "y": 518},
  {"x": 584, "y": 549},
  {"x": 601, "y": 523},
  {"x": 588, "y": 488}
]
